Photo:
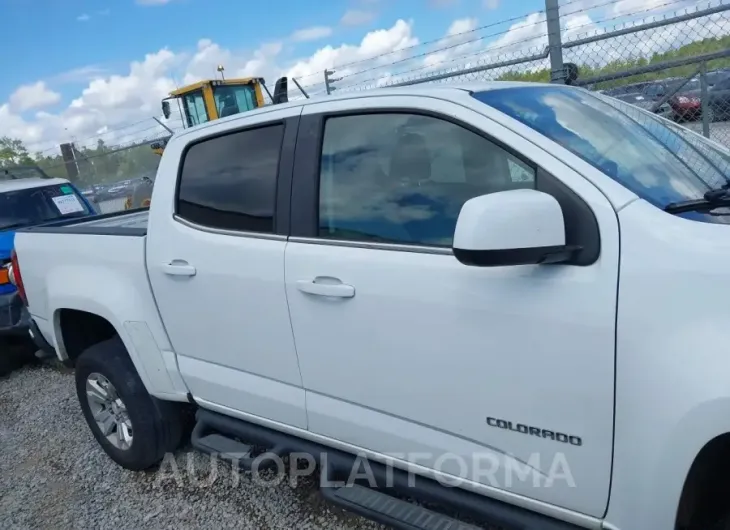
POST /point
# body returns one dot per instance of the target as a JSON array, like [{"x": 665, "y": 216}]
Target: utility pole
[{"x": 555, "y": 44}]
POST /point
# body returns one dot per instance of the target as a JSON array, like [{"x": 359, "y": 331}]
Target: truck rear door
[{"x": 216, "y": 265}]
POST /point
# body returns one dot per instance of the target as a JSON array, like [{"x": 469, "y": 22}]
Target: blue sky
[
  {"x": 55, "y": 38},
  {"x": 78, "y": 70}
]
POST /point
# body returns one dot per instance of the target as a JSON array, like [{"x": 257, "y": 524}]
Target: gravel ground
[{"x": 53, "y": 475}]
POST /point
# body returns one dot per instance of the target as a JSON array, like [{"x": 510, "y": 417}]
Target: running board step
[
  {"x": 391, "y": 511},
  {"x": 208, "y": 440},
  {"x": 223, "y": 446}
]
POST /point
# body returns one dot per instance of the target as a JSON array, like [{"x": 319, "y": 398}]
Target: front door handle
[
  {"x": 320, "y": 288},
  {"x": 178, "y": 268}
]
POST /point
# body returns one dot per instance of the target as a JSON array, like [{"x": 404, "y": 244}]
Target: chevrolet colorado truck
[{"x": 501, "y": 300}]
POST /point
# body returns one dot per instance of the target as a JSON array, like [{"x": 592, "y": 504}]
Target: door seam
[{"x": 294, "y": 338}]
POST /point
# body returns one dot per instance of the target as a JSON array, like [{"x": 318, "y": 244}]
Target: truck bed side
[
  {"x": 100, "y": 271},
  {"x": 128, "y": 223}
]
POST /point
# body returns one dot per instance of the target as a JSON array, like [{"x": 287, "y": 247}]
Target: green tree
[
  {"x": 13, "y": 153},
  {"x": 587, "y": 71}
]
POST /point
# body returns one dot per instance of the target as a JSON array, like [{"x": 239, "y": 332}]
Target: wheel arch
[
  {"x": 79, "y": 324},
  {"x": 702, "y": 501}
]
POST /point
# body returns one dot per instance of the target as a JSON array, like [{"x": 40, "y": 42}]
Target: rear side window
[{"x": 229, "y": 182}]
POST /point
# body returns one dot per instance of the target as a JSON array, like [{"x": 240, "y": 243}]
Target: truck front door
[{"x": 501, "y": 376}]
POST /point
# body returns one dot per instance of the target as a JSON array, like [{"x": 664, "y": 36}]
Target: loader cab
[
  {"x": 212, "y": 99},
  {"x": 219, "y": 98}
]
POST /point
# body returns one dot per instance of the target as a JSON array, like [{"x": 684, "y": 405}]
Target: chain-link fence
[
  {"x": 677, "y": 66},
  {"x": 113, "y": 178},
  {"x": 670, "y": 58}
]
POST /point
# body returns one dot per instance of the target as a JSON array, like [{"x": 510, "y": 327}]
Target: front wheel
[{"x": 133, "y": 428}]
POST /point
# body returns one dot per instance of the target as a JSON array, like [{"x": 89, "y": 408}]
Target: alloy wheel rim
[{"x": 109, "y": 411}]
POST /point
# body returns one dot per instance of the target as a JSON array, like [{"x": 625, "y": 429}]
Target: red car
[{"x": 685, "y": 103}]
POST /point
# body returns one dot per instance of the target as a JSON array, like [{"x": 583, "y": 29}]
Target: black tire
[
  {"x": 16, "y": 352},
  {"x": 7, "y": 364},
  {"x": 157, "y": 425},
  {"x": 721, "y": 524}
]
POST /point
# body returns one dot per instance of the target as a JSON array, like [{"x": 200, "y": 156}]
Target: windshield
[
  {"x": 659, "y": 161},
  {"x": 231, "y": 100},
  {"x": 34, "y": 206}
]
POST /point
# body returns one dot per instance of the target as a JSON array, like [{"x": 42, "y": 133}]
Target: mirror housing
[
  {"x": 281, "y": 91},
  {"x": 516, "y": 227},
  {"x": 166, "y": 109}
]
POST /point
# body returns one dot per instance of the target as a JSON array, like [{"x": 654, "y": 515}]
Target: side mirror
[
  {"x": 166, "y": 109},
  {"x": 516, "y": 227},
  {"x": 281, "y": 91}
]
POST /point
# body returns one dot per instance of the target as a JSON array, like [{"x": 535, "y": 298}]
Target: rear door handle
[
  {"x": 318, "y": 288},
  {"x": 178, "y": 268}
]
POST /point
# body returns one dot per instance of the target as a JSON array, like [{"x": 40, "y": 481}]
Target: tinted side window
[
  {"x": 403, "y": 178},
  {"x": 230, "y": 181}
]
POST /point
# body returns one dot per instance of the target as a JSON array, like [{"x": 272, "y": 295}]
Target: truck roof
[
  {"x": 25, "y": 183},
  {"x": 442, "y": 89}
]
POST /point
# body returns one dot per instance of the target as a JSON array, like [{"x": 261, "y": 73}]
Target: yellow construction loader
[{"x": 217, "y": 98}]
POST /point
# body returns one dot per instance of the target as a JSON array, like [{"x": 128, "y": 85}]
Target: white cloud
[
  {"x": 377, "y": 50},
  {"x": 310, "y": 34},
  {"x": 357, "y": 17},
  {"x": 84, "y": 17},
  {"x": 82, "y": 74},
  {"x": 454, "y": 43},
  {"x": 625, "y": 7},
  {"x": 203, "y": 64},
  {"x": 111, "y": 101},
  {"x": 491, "y": 4},
  {"x": 33, "y": 96}
]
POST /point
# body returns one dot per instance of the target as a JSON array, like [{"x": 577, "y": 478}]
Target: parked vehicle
[
  {"x": 623, "y": 90},
  {"x": 506, "y": 296},
  {"x": 719, "y": 100},
  {"x": 715, "y": 76},
  {"x": 123, "y": 195},
  {"x": 685, "y": 102},
  {"x": 28, "y": 197},
  {"x": 638, "y": 99}
]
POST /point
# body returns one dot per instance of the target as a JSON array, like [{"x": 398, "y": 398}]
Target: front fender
[{"x": 672, "y": 360}]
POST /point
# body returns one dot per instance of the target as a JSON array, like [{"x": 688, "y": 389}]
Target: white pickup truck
[{"x": 505, "y": 296}]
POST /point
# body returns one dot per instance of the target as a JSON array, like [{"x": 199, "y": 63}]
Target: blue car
[{"x": 28, "y": 197}]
